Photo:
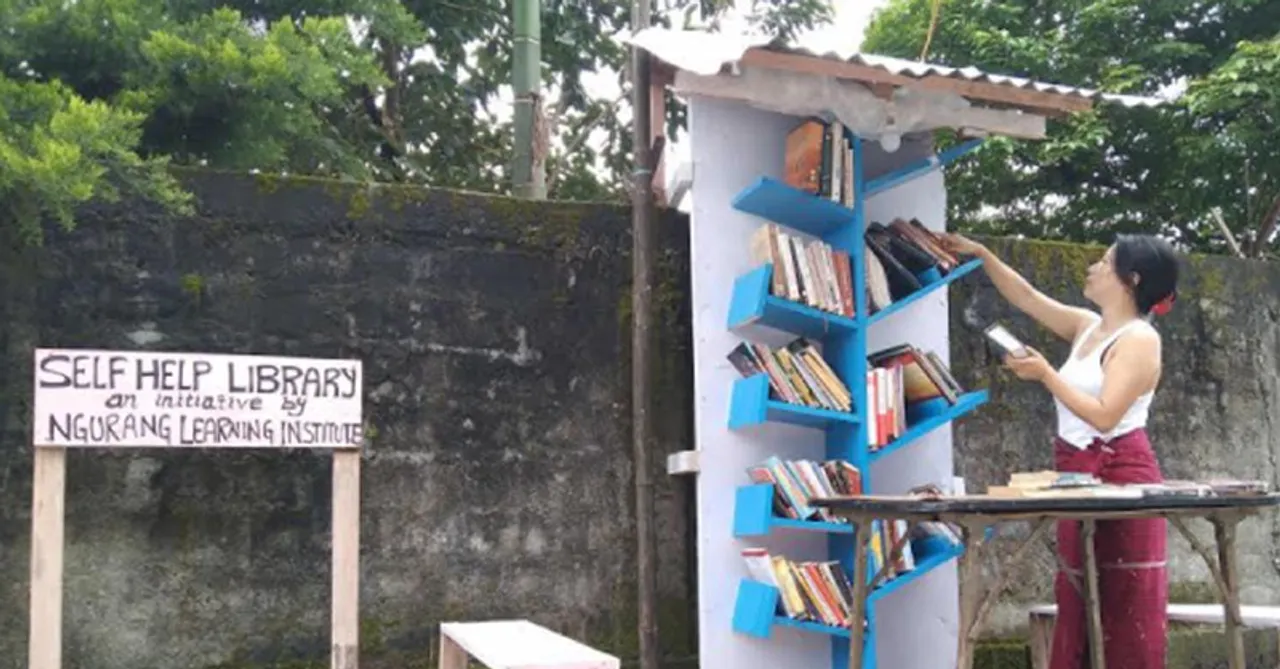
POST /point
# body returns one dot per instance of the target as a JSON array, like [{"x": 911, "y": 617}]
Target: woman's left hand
[{"x": 1030, "y": 367}]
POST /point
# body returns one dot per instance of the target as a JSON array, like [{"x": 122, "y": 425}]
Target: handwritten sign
[{"x": 196, "y": 400}]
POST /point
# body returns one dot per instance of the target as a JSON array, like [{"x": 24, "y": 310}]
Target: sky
[{"x": 851, "y": 21}]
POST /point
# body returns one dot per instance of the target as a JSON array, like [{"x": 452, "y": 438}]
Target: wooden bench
[
  {"x": 1043, "y": 615},
  {"x": 516, "y": 644}
]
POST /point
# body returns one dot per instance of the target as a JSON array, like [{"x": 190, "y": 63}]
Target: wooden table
[{"x": 974, "y": 515}]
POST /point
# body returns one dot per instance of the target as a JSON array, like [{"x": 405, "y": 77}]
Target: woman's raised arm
[{"x": 1063, "y": 320}]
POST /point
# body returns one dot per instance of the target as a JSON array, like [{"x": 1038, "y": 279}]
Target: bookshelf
[{"x": 740, "y": 424}]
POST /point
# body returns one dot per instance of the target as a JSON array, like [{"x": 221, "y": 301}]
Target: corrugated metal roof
[{"x": 706, "y": 53}]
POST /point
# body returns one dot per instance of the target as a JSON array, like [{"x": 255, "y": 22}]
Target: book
[
  {"x": 897, "y": 256},
  {"x": 1223, "y": 487},
  {"x": 797, "y": 373},
  {"x": 812, "y": 591},
  {"x": 806, "y": 270},
  {"x": 820, "y": 591},
  {"x": 1216, "y": 487},
  {"x": 1049, "y": 483},
  {"x": 796, "y": 482},
  {"x": 810, "y": 271},
  {"x": 897, "y": 378},
  {"x": 819, "y": 160}
]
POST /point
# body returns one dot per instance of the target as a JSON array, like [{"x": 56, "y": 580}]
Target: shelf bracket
[{"x": 682, "y": 463}]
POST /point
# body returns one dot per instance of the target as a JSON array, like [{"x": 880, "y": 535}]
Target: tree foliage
[
  {"x": 58, "y": 151},
  {"x": 1114, "y": 169},
  {"x": 414, "y": 90},
  {"x": 99, "y": 95},
  {"x": 1237, "y": 119}
]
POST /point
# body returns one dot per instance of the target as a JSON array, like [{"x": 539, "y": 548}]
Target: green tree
[
  {"x": 1237, "y": 119},
  {"x": 363, "y": 89},
  {"x": 58, "y": 151},
  {"x": 1113, "y": 169},
  {"x": 98, "y": 96},
  {"x": 212, "y": 87},
  {"x": 447, "y": 81}
]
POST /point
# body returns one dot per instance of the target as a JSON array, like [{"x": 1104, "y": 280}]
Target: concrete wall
[{"x": 498, "y": 480}]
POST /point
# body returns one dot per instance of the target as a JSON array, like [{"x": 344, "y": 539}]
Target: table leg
[
  {"x": 1052, "y": 547},
  {"x": 1093, "y": 612},
  {"x": 1224, "y": 530},
  {"x": 858, "y": 589},
  {"x": 976, "y": 599}
]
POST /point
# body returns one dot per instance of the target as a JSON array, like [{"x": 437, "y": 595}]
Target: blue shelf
[
  {"x": 753, "y": 305},
  {"x": 807, "y": 626},
  {"x": 931, "y": 415},
  {"x": 755, "y": 610},
  {"x": 751, "y": 405},
  {"x": 753, "y": 515},
  {"x": 918, "y": 169},
  {"x": 755, "y": 314},
  {"x": 755, "y": 607},
  {"x": 898, "y": 305},
  {"x": 773, "y": 200}
]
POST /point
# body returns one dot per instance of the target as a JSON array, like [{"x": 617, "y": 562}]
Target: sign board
[
  {"x": 103, "y": 399},
  {"x": 92, "y": 398}
]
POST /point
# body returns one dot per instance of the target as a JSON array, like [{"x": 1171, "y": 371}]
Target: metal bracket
[{"x": 682, "y": 462}]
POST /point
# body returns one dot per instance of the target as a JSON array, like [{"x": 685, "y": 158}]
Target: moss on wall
[
  {"x": 1001, "y": 654},
  {"x": 1193, "y": 592}
]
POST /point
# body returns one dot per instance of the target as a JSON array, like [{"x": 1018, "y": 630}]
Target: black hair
[{"x": 1154, "y": 262}]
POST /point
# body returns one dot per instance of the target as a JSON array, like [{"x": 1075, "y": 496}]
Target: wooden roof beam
[{"x": 1039, "y": 102}]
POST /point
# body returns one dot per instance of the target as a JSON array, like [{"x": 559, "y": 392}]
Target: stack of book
[
  {"x": 795, "y": 482},
  {"x": 1238, "y": 488},
  {"x": 810, "y": 271},
  {"x": 1048, "y": 483},
  {"x": 817, "y": 591},
  {"x": 897, "y": 256},
  {"x": 900, "y": 376},
  {"x": 1211, "y": 488},
  {"x": 819, "y": 160},
  {"x": 806, "y": 270},
  {"x": 797, "y": 374}
]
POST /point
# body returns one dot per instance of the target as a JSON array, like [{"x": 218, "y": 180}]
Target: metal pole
[
  {"x": 527, "y": 173},
  {"x": 642, "y": 255}
]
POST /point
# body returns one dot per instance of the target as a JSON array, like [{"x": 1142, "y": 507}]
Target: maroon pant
[{"x": 1132, "y": 580}]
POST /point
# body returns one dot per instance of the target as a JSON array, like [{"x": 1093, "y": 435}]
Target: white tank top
[{"x": 1085, "y": 374}]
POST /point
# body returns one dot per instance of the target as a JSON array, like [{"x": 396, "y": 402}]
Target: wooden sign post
[{"x": 113, "y": 399}]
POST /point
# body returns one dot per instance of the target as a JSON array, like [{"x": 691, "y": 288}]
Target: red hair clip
[{"x": 1163, "y": 306}]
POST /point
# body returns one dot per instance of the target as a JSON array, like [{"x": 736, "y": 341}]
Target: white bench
[
  {"x": 1043, "y": 615},
  {"x": 516, "y": 644}
]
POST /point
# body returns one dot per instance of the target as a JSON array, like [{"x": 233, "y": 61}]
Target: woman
[{"x": 1102, "y": 393}]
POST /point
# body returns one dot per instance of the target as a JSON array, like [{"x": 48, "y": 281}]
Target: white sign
[{"x": 135, "y": 398}]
